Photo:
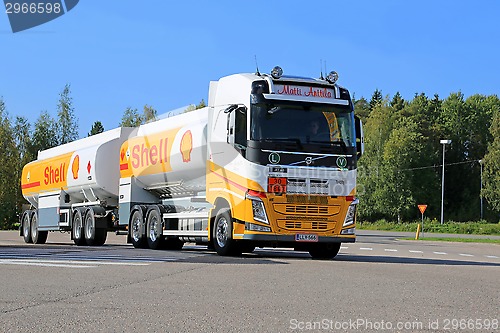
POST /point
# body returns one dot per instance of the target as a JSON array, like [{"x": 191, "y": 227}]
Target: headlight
[
  {"x": 350, "y": 217},
  {"x": 259, "y": 212}
]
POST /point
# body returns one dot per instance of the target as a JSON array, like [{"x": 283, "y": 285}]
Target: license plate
[{"x": 306, "y": 237}]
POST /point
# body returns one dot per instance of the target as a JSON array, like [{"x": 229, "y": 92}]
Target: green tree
[
  {"x": 9, "y": 164},
  {"x": 44, "y": 134},
  {"x": 193, "y": 107},
  {"x": 398, "y": 103},
  {"x": 67, "y": 123},
  {"x": 377, "y": 130},
  {"x": 149, "y": 114},
  {"x": 97, "y": 128},
  {"x": 491, "y": 176},
  {"x": 377, "y": 99},
  {"x": 362, "y": 108},
  {"x": 130, "y": 118}
]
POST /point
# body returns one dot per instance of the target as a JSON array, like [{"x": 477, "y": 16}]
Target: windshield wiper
[
  {"x": 295, "y": 140},
  {"x": 331, "y": 143}
]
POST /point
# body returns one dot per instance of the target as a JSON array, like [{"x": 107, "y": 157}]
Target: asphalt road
[{"x": 378, "y": 284}]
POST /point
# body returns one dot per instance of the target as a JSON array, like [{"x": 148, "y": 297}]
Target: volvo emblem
[
  {"x": 309, "y": 160},
  {"x": 341, "y": 162}
]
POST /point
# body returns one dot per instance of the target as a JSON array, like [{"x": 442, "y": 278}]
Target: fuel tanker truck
[{"x": 270, "y": 162}]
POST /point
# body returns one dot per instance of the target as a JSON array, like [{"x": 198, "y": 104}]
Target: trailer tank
[
  {"x": 168, "y": 156},
  {"x": 86, "y": 170}
]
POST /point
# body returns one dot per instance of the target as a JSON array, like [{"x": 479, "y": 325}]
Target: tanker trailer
[
  {"x": 74, "y": 188},
  {"x": 163, "y": 182}
]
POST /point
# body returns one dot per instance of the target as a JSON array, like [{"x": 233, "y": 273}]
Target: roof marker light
[
  {"x": 277, "y": 72},
  {"x": 332, "y": 77}
]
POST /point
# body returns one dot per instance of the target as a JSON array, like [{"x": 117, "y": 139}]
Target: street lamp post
[
  {"x": 481, "y": 190},
  {"x": 444, "y": 143}
]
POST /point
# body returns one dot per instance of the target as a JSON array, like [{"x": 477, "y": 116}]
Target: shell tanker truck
[{"x": 271, "y": 161}]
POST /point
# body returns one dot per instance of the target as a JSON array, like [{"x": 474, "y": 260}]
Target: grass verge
[
  {"x": 467, "y": 228},
  {"x": 458, "y": 240}
]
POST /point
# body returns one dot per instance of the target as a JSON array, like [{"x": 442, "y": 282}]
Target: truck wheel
[
  {"x": 27, "y": 227},
  {"x": 324, "y": 251},
  {"x": 77, "y": 230},
  {"x": 223, "y": 234},
  {"x": 93, "y": 236},
  {"x": 154, "y": 230},
  {"x": 136, "y": 230},
  {"x": 38, "y": 237}
]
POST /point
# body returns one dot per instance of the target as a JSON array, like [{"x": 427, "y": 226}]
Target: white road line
[
  {"x": 366, "y": 249},
  {"x": 443, "y": 253},
  {"x": 465, "y": 255},
  {"x": 68, "y": 263},
  {"x": 415, "y": 251},
  {"x": 344, "y": 247},
  {"x": 28, "y": 263},
  {"x": 492, "y": 257},
  {"x": 390, "y": 250}
]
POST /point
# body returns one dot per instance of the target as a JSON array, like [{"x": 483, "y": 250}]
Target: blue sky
[{"x": 128, "y": 53}]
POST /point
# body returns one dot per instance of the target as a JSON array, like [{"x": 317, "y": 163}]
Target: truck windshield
[{"x": 302, "y": 124}]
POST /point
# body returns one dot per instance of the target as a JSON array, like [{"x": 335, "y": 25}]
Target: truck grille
[
  {"x": 306, "y": 209},
  {"x": 319, "y": 210},
  {"x": 306, "y": 225}
]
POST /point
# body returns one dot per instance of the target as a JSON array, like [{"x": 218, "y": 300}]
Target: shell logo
[
  {"x": 75, "y": 167},
  {"x": 186, "y": 146}
]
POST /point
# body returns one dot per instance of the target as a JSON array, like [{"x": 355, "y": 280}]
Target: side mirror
[{"x": 360, "y": 138}]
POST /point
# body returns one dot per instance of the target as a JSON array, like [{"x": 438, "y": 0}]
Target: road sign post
[{"x": 422, "y": 209}]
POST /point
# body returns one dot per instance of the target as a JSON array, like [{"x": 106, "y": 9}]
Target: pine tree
[{"x": 67, "y": 122}]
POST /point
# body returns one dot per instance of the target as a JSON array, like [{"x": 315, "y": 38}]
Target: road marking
[
  {"x": 492, "y": 257},
  {"x": 415, "y": 251},
  {"x": 67, "y": 263},
  {"x": 29, "y": 263},
  {"x": 465, "y": 255},
  {"x": 344, "y": 247},
  {"x": 390, "y": 250},
  {"x": 366, "y": 249},
  {"x": 440, "y": 253}
]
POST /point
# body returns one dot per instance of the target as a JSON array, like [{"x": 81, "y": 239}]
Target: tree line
[{"x": 402, "y": 164}]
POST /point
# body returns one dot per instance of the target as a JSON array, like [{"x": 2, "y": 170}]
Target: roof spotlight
[
  {"x": 277, "y": 72},
  {"x": 332, "y": 77}
]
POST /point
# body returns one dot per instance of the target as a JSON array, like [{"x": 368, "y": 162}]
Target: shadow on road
[{"x": 413, "y": 261}]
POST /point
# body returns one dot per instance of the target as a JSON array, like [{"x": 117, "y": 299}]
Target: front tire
[
  {"x": 223, "y": 241},
  {"x": 324, "y": 251},
  {"x": 38, "y": 237}
]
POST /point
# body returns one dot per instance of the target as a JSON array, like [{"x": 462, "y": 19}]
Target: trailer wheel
[
  {"x": 27, "y": 227},
  {"x": 136, "y": 230},
  {"x": 154, "y": 230},
  {"x": 223, "y": 234},
  {"x": 38, "y": 237},
  {"x": 324, "y": 251},
  {"x": 93, "y": 236},
  {"x": 77, "y": 230}
]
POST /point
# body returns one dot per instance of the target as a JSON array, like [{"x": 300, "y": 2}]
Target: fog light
[{"x": 256, "y": 227}]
